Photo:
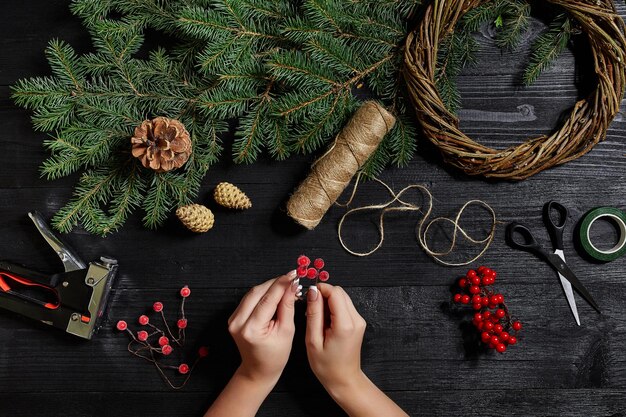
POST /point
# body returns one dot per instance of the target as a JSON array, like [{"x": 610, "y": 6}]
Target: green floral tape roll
[{"x": 608, "y": 213}]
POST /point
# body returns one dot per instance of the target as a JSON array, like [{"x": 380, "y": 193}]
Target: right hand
[{"x": 334, "y": 343}]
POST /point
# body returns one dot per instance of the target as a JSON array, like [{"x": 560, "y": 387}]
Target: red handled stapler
[{"x": 74, "y": 300}]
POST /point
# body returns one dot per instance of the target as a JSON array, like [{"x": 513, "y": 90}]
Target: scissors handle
[
  {"x": 528, "y": 242},
  {"x": 555, "y": 228}
]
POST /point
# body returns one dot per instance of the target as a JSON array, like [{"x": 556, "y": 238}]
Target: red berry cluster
[
  {"x": 315, "y": 272},
  {"x": 162, "y": 341},
  {"x": 491, "y": 315}
]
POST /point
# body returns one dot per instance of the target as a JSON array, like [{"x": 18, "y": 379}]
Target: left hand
[{"x": 263, "y": 328}]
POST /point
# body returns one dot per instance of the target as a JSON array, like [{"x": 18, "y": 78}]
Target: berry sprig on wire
[
  {"x": 492, "y": 318},
  {"x": 154, "y": 344},
  {"x": 312, "y": 272}
]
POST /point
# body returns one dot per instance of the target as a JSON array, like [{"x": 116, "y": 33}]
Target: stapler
[{"x": 74, "y": 301}]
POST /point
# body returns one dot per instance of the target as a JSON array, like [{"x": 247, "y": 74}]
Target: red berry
[
  {"x": 487, "y": 271},
  {"x": 500, "y": 298},
  {"x": 517, "y": 326},
  {"x": 492, "y": 306},
  {"x": 183, "y": 368},
  {"x": 324, "y": 276},
  {"x": 495, "y": 340},
  {"x": 166, "y": 350},
  {"x": 474, "y": 289},
  {"x": 476, "y": 299},
  {"x": 486, "y": 281},
  {"x": 158, "y": 306},
  {"x": 301, "y": 271},
  {"x": 143, "y": 320},
  {"x": 497, "y": 328},
  {"x": 311, "y": 273},
  {"x": 304, "y": 261},
  {"x": 485, "y": 337},
  {"x": 462, "y": 282},
  {"x": 501, "y": 347},
  {"x": 465, "y": 299},
  {"x": 484, "y": 301},
  {"x": 475, "y": 280},
  {"x": 121, "y": 325},
  {"x": 471, "y": 274},
  {"x": 181, "y": 323},
  {"x": 488, "y": 326},
  {"x": 185, "y": 291},
  {"x": 163, "y": 341},
  {"x": 512, "y": 340},
  {"x": 142, "y": 335},
  {"x": 477, "y": 306},
  {"x": 203, "y": 351},
  {"x": 493, "y": 300},
  {"x": 504, "y": 336},
  {"x": 481, "y": 269},
  {"x": 478, "y": 316},
  {"x": 478, "y": 324},
  {"x": 487, "y": 315},
  {"x": 491, "y": 346},
  {"x": 457, "y": 298},
  {"x": 500, "y": 313},
  {"x": 318, "y": 263}
]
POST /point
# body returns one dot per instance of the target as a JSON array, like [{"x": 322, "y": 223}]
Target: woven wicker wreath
[{"x": 586, "y": 126}]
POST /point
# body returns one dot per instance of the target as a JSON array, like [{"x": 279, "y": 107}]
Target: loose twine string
[{"x": 423, "y": 225}]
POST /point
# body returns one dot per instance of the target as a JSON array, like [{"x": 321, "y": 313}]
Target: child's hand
[
  {"x": 263, "y": 328},
  {"x": 334, "y": 343}
]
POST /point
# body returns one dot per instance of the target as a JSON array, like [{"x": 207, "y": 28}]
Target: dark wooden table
[{"x": 414, "y": 348}]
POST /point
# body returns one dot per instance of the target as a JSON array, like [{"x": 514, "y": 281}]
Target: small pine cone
[
  {"x": 161, "y": 144},
  {"x": 229, "y": 196},
  {"x": 196, "y": 217}
]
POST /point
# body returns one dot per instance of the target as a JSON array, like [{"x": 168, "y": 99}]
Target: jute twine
[
  {"x": 423, "y": 226},
  {"x": 332, "y": 173},
  {"x": 586, "y": 126}
]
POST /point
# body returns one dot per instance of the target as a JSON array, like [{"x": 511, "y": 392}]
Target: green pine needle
[{"x": 548, "y": 47}]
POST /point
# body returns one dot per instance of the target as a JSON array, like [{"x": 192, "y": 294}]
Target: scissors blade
[
  {"x": 567, "y": 288},
  {"x": 561, "y": 267}
]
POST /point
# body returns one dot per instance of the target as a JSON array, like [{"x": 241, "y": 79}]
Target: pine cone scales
[
  {"x": 161, "y": 144},
  {"x": 196, "y": 217},
  {"x": 229, "y": 196}
]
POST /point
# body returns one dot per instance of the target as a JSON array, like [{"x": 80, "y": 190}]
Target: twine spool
[{"x": 332, "y": 173}]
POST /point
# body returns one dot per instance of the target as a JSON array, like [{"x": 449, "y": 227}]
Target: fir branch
[
  {"x": 548, "y": 47},
  {"x": 515, "y": 21}
]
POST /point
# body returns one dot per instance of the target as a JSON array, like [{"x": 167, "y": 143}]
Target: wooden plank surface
[{"x": 418, "y": 347}]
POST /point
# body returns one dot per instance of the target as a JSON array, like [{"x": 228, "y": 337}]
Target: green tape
[{"x": 608, "y": 213}]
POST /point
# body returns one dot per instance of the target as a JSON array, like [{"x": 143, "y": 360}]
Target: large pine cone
[{"x": 161, "y": 144}]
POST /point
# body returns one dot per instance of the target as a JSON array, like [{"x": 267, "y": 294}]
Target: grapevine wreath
[{"x": 586, "y": 126}]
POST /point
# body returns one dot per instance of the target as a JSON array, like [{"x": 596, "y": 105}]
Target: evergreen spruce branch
[
  {"x": 93, "y": 188},
  {"x": 346, "y": 85},
  {"x": 65, "y": 64},
  {"x": 547, "y": 47},
  {"x": 249, "y": 136},
  {"x": 401, "y": 140},
  {"x": 165, "y": 191},
  {"x": 488, "y": 12},
  {"x": 127, "y": 197},
  {"x": 455, "y": 52},
  {"x": 276, "y": 139},
  {"x": 515, "y": 22},
  {"x": 315, "y": 130}
]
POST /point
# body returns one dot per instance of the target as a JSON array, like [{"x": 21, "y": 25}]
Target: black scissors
[{"x": 556, "y": 259}]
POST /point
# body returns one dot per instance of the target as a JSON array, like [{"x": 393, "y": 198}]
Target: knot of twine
[
  {"x": 423, "y": 226},
  {"x": 333, "y": 171}
]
